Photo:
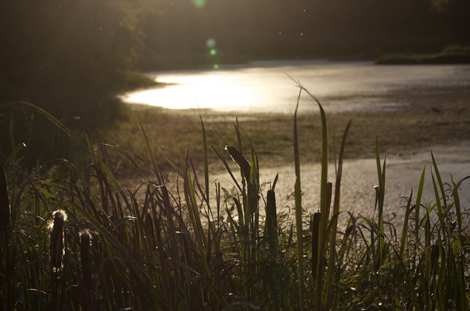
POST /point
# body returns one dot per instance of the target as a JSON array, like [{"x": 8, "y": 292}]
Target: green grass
[
  {"x": 450, "y": 55},
  {"x": 85, "y": 241}
]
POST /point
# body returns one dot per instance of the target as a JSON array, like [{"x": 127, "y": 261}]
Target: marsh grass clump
[{"x": 202, "y": 247}]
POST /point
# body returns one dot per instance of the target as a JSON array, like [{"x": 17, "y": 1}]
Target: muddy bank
[{"x": 360, "y": 176}]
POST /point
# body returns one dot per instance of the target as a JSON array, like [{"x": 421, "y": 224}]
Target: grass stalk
[{"x": 298, "y": 210}]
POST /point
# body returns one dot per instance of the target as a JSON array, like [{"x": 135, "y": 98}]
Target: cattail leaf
[
  {"x": 228, "y": 169},
  {"x": 53, "y": 120},
  {"x": 409, "y": 209},
  {"x": 4, "y": 202},
  {"x": 173, "y": 165},
  {"x": 298, "y": 208},
  {"x": 151, "y": 156},
  {"x": 273, "y": 187},
  {"x": 418, "y": 201},
  {"x": 205, "y": 159}
]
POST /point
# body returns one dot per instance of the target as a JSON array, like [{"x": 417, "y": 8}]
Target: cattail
[
  {"x": 271, "y": 219},
  {"x": 315, "y": 249},
  {"x": 240, "y": 160},
  {"x": 85, "y": 260},
  {"x": 57, "y": 240},
  {"x": 246, "y": 170},
  {"x": 4, "y": 203}
]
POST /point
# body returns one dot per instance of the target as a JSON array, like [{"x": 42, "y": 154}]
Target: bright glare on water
[{"x": 265, "y": 87}]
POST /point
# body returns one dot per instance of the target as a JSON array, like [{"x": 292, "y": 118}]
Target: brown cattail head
[
  {"x": 57, "y": 240},
  {"x": 245, "y": 167},
  {"x": 315, "y": 244},
  {"x": 271, "y": 219},
  {"x": 4, "y": 203},
  {"x": 240, "y": 160},
  {"x": 85, "y": 260}
]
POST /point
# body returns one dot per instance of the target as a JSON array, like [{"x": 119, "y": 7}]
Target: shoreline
[
  {"x": 426, "y": 118},
  {"x": 432, "y": 120}
]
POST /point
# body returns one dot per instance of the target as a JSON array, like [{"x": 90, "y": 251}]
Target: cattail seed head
[
  {"x": 57, "y": 240},
  {"x": 240, "y": 160}
]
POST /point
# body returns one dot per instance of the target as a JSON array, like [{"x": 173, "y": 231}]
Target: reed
[{"x": 163, "y": 246}]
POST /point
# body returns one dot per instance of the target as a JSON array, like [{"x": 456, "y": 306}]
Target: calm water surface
[{"x": 265, "y": 87}]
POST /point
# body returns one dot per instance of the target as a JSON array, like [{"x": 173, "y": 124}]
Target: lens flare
[
  {"x": 210, "y": 43},
  {"x": 213, "y": 52},
  {"x": 199, "y": 3}
]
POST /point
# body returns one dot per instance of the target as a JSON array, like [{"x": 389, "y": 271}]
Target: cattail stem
[
  {"x": 86, "y": 272},
  {"x": 85, "y": 259}
]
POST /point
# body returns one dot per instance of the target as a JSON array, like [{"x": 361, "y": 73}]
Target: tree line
[{"x": 68, "y": 56}]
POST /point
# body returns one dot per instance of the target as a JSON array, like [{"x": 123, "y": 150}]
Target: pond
[{"x": 265, "y": 86}]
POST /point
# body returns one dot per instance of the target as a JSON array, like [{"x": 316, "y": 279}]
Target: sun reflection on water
[{"x": 208, "y": 91}]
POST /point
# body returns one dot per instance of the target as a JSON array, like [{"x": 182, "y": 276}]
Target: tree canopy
[{"x": 56, "y": 50}]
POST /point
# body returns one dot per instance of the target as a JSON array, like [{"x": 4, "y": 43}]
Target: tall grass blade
[
  {"x": 336, "y": 208},
  {"x": 404, "y": 233},
  {"x": 439, "y": 182},
  {"x": 418, "y": 202},
  {"x": 53, "y": 120},
  {"x": 151, "y": 156},
  {"x": 298, "y": 209},
  {"x": 205, "y": 160},
  {"x": 228, "y": 169},
  {"x": 381, "y": 199}
]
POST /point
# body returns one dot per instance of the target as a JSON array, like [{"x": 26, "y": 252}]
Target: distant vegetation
[
  {"x": 450, "y": 55},
  {"x": 96, "y": 241}
]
